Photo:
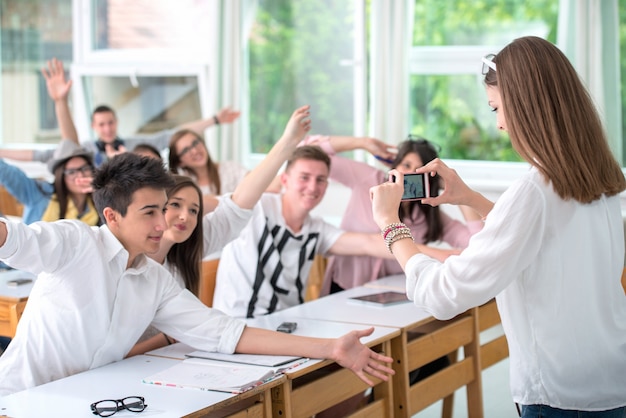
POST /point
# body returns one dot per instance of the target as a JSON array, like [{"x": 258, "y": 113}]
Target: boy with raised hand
[{"x": 97, "y": 291}]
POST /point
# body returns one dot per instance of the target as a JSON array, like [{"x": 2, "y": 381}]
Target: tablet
[{"x": 381, "y": 299}]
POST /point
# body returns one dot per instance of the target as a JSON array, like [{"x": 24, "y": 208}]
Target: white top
[
  {"x": 266, "y": 269},
  {"x": 555, "y": 267},
  {"x": 86, "y": 309}
]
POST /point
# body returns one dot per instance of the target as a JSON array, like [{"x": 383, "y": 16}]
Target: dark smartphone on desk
[
  {"x": 18, "y": 282},
  {"x": 287, "y": 327}
]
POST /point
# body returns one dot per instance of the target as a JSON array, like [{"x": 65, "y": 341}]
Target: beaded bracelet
[
  {"x": 395, "y": 232},
  {"x": 392, "y": 227}
]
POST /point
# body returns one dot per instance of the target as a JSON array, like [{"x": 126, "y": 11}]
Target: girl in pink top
[{"x": 428, "y": 224}]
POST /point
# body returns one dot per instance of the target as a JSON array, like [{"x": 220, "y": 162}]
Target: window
[
  {"x": 30, "y": 34},
  {"x": 447, "y": 99},
  {"x": 304, "y": 53}
]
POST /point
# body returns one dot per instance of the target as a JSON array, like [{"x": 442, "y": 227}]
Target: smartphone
[
  {"x": 287, "y": 327},
  {"x": 416, "y": 186},
  {"x": 18, "y": 282}
]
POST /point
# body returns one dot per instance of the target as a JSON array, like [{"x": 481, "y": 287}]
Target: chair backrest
[
  {"x": 207, "y": 281},
  {"x": 624, "y": 279},
  {"x": 9, "y": 205},
  {"x": 15, "y": 313},
  {"x": 497, "y": 349}
]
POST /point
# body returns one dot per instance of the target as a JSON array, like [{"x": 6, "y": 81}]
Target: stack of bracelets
[{"x": 395, "y": 232}]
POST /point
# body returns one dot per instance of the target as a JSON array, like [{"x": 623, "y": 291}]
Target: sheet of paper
[{"x": 203, "y": 375}]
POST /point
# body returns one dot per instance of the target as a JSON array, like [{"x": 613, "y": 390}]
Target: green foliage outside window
[{"x": 452, "y": 109}]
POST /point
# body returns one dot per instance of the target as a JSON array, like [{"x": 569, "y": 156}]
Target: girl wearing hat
[{"x": 68, "y": 197}]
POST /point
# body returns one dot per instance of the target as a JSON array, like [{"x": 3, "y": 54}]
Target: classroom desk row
[{"x": 409, "y": 335}]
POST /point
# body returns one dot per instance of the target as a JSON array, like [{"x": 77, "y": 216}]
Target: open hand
[
  {"x": 58, "y": 87},
  {"x": 362, "y": 361},
  {"x": 227, "y": 115},
  {"x": 299, "y": 124}
]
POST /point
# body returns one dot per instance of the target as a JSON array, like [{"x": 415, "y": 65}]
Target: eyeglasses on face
[
  {"x": 420, "y": 140},
  {"x": 488, "y": 63},
  {"x": 196, "y": 142},
  {"x": 85, "y": 170},
  {"x": 108, "y": 407}
]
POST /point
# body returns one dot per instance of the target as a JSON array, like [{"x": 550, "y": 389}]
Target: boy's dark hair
[
  {"x": 147, "y": 148},
  {"x": 308, "y": 152},
  {"x": 117, "y": 179},
  {"x": 102, "y": 109}
]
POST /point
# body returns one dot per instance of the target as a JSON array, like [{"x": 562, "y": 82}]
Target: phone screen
[{"x": 414, "y": 187}]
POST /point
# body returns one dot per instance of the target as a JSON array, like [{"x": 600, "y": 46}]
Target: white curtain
[
  {"x": 588, "y": 33},
  {"x": 231, "y": 77},
  {"x": 390, "y": 46}
]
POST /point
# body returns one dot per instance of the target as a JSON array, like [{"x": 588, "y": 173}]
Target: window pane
[
  {"x": 155, "y": 104},
  {"x": 30, "y": 35},
  {"x": 122, "y": 24},
  {"x": 491, "y": 22},
  {"x": 447, "y": 106},
  {"x": 297, "y": 55},
  {"x": 452, "y": 111}
]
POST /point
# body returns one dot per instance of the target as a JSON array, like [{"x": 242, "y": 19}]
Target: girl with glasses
[
  {"x": 68, "y": 197},
  {"x": 189, "y": 156},
  {"x": 552, "y": 248}
]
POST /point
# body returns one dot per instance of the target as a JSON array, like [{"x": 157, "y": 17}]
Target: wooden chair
[
  {"x": 15, "y": 313},
  {"x": 624, "y": 279},
  {"x": 9, "y": 205},
  {"x": 207, "y": 281},
  {"x": 316, "y": 278}
]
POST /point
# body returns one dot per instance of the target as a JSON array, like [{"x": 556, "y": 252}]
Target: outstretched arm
[
  {"x": 225, "y": 115},
  {"x": 347, "y": 351},
  {"x": 58, "y": 90},
  {"x": 249, "y": 190},
  {"x": 17, "y": 154}
]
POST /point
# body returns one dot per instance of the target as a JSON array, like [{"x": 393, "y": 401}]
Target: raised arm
[
  {"x": 249, "y": 190},
  {"x": 374, "y": 146},
  {"x": 58, "y": 90},
  {"x": 225, "y": 115}
]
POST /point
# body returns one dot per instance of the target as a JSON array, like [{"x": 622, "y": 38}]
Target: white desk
[
  {"x": 438, "y": 338},
  {"x": 11, "y": 296},
  {"x": 317, "y": 384},
  {"x": 72, "y": 396}
]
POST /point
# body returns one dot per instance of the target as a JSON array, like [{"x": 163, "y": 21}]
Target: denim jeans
[
  {"x": 33, "y": 194},
  {"x": 543, "y": 411}
]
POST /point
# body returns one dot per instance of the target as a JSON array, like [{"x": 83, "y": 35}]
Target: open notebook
[{"x": 203, "y": 374}]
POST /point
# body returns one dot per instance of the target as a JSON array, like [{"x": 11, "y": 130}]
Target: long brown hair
[
  {"x": 60, "y": 188},
  {"x": 552, "y": 121},
  {"x": 174, "y": 159},
  {"x": 187, "y": 256}
]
